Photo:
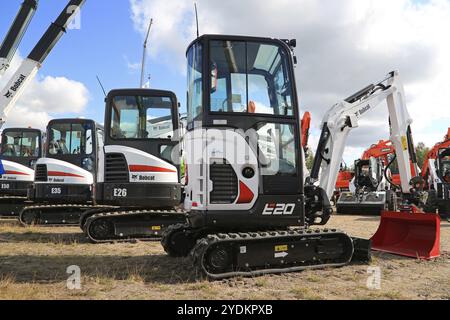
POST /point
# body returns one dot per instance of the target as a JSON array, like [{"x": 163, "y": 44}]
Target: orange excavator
[
  {"x": 306, "y": 125},
  {"x": 436, "y": 174},
  {"x": 383, "y": 149}
]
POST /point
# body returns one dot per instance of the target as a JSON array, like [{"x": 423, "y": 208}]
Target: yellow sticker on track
[
  {"x": 281, "y": 248},
  {"x": 156, "y": 228}
]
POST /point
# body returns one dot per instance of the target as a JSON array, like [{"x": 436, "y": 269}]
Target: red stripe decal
[
  {"x": 63, "y": 174},
  {"x": 16, "y": 173},
  {"x": 245, "y": 194},
  {"x": 141, "y": 168}
]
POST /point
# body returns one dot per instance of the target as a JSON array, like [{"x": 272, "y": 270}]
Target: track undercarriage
[
  {"x": 224, "y": 255},
  {"x": 12, "y": 206},
  {"x": 120, "y": 224},
  {"x": 54, "y": 215}
]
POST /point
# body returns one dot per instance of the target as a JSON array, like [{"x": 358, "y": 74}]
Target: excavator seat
[{"x": 408, "y": 232}]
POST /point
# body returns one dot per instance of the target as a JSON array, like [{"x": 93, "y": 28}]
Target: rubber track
[
  {"x": 197, "y": 253},
  {"x": 129, "y": 213},
  {"x": 58, "y": 206}
]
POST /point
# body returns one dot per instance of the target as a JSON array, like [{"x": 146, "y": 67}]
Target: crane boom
[
  {"x": 16, "y": 32},
  {"x": 344, "y": 116},
  {"x": 30, "y": 66}
]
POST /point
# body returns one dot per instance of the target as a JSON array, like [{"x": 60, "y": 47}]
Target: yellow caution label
[
  {"x": 281, "y": 248},
  {"x": 156, "y": 228},
  {"x": 405, "y": 143}
]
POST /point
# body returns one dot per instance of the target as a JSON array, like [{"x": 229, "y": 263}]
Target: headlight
[{"x": 87, "y": 164}]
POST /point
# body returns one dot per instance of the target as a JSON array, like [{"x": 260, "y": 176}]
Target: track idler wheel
[
  {"x": 177, "y": 241},
  {"x": 101, "y": 229},
  {"x": 218, "y": 260},
  {"x": 30, "y": 217}
]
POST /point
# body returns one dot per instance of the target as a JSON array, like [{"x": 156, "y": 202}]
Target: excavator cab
[
  {"x": 20, "y": 149},
  {"x": 242, "y": 100},
  {"x": 444, "y": 165},
  {"x": 368, "y": 174},
  {"x": 71, "y": 161},
  {"x": 141, "y": 130}
]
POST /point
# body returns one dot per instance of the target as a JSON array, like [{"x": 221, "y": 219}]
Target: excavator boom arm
[
  {"x": 15, "y": 34},
  {"x": 30, "y": 66},
  {"x": 344, "y": 116}
]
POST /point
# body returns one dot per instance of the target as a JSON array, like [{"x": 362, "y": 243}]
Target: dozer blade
[{"x": 411, "y": 234}]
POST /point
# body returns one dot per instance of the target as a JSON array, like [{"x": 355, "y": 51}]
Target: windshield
[
  {"x": 70, "y": 139},
  {"x": 20, "y": 144},
  {"x": 250, "y": 77},
  {"x": 141, "y": 117}
]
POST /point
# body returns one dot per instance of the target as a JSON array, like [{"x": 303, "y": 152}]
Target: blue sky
[{"x": 105, "y": 43}]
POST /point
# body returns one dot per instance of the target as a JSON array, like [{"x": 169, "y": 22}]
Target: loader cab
[
  {"x": 21, "y": 145},
  {"x": 74, "y": 141},
  {"x": 244, "y": 88}
]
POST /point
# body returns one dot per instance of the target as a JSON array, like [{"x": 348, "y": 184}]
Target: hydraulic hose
[{"x": 386, "y": 170}]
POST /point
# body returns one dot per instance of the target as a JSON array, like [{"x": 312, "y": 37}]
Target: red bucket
[{"x": 411, "y": 234}]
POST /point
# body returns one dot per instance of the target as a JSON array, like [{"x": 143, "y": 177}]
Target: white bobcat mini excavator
[
  {"x": 64, "y": 180},
  {"x": 140, "y": 177},
  {"x": 20, "y": 149},
  {"x": 15, "y": 34},
  {"x": 408, "y": 232}
]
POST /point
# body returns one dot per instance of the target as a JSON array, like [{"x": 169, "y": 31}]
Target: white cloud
[
  {"x": 342, "y": 47},
  {"x": 133, "y": 67},
  {"x": 45, "y": 98}
]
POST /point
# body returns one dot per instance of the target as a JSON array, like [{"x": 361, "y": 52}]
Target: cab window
[
  {"x": 250, "y": 77},
  {"x": 141, "y": 117}
]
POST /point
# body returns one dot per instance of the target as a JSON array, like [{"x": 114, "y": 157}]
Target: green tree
[
  {"x": 421, "y": 152},
  {"x": 309, "y": 159}
]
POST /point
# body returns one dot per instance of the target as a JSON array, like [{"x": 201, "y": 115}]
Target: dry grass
[{"x": 33, "y": 263}]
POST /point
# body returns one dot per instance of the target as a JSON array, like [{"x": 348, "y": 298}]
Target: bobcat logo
[{"x": 8, "y": 95}]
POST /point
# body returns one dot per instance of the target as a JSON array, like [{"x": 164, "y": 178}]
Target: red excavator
[
  {"x": 345, "y": 176},
  {"x": 305, "y": 126},
  {"x": 383, "y": 149}
]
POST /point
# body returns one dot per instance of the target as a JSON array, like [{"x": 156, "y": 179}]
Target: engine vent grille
[
  {"x": 40, "y": 174},
  {"x": 116, "y": 168},
  {"x": 225, "y": 183}
]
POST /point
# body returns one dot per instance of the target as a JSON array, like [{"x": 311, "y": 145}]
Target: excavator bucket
[{"x": 410, "y": 233}]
